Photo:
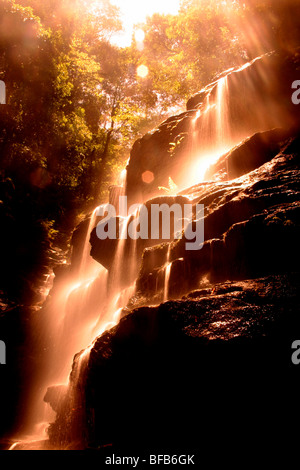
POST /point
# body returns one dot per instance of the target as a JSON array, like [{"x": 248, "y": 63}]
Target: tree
[
  {"x": 191, "y": 48},
  {"x": 75, "y": 102}
]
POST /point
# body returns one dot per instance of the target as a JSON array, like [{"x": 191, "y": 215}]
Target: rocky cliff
[{"x": 212, "y": 365}]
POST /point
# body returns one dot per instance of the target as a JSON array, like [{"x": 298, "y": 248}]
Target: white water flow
[
  {"x": 210, "y": 131},
  {"x": 214, "y": 129},
  {"x": 125, "y": 259},
  {"x": 168, "y": 267},
  {"x": 118, "y": 294},
  {"x": 223, "y": 133},
  {"x": 82, "y": 308},
  {"x": 122, "y": 179},
  {"x": 66, "y": 326}
]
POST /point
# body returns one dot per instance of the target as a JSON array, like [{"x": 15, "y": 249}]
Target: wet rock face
[
  {"x": 247, "y": 219},
  {"x": 169, "y": 376},
  {"x": 55, "y": 396},
  {"x": 251, "y": 228},
  {"x": 152, "y": 154}
]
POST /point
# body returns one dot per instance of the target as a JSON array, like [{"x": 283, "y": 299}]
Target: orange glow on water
[
  {"x": 110, "y": 324},
  {"x": 201, "y": 166}
]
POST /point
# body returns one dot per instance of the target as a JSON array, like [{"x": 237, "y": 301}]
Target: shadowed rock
[{"x": 166, "y": 376}]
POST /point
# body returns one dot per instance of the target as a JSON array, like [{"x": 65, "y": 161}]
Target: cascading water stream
[
  {"x": 214, "y": 130},
  {"x": 118, "y": 295},
  {"x": 168, "y": 267},
  {"x": 223, "y": 139},
  {"x": 81, "y": 310},
  {"x": 210, "y": 131}
]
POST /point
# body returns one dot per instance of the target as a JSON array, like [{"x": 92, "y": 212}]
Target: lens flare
[
  {"x": 142, "y": 71},
  {"x": 148, "y": 177}
]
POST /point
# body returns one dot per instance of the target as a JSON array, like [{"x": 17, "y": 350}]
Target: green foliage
[
  {"x": 75, "y": 102},
  {"x": 72, "y": 108},
  {"x": 191, "y": 48},
  {"x": 187, "y": 51}
]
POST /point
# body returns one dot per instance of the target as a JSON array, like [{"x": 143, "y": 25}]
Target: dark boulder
[{"x": 168, "y": 376}]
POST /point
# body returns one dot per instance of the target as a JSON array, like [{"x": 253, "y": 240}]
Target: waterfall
[
  {"x": 223, "y": 139},
  {"x": 168, "y": 267},
  {"x": 83, "y": 306},
  {"x": 217, "y": 125},
  {"x": 91, "y": 301},
  {"x": 210, "y": 131}
]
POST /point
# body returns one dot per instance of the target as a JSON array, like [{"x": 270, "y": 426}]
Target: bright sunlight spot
[
  {"x": 139, "y": 35},
  {"x": 142, "y": 71},
  {"x": 134, "y": 12}
]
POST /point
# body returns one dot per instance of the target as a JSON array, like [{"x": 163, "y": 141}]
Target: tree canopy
[{"x": 75, "y": 103}]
